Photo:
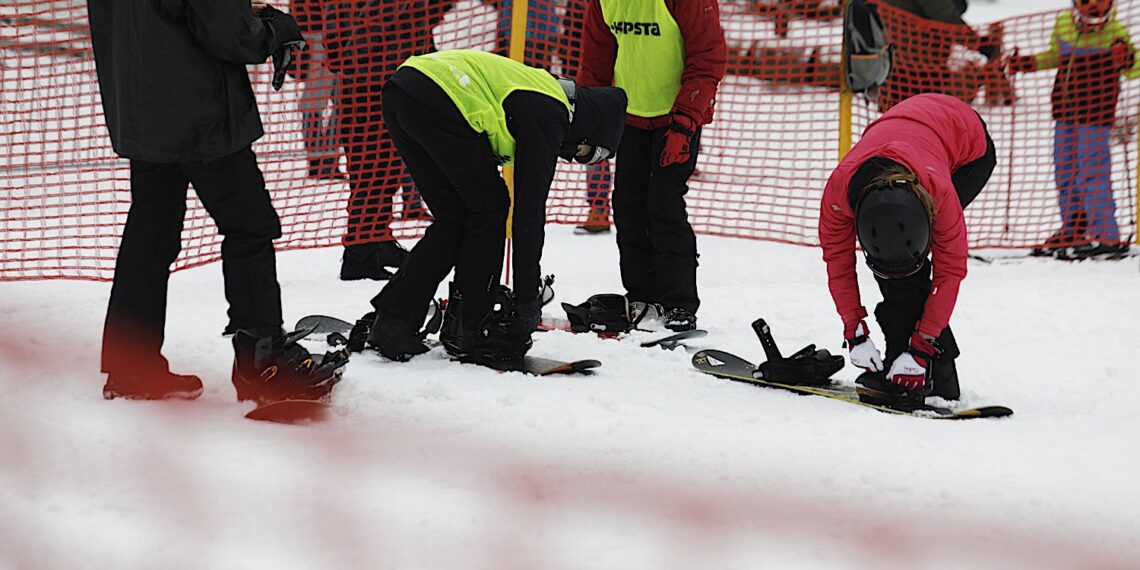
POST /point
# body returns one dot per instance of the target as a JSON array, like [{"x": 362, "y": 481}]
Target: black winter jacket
[{"x": 173, "y": 78}]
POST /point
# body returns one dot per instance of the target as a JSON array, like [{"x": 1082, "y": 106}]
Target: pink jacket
[{"x": 932, "y": 135}]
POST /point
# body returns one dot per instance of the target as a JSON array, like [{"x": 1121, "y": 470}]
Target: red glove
[
  {"x": 678, "y": 140},
  {"x": 912, "y": 367},
  {"x": 1123, "y": 56},
  {"x": 1020, "y": 63}
]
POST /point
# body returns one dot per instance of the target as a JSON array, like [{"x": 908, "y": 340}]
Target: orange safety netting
[{"x": 1065, "y": 160}]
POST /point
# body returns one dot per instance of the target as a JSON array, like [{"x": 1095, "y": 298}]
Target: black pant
[
  {"x": 657, "y": 246},
  {"x": 904, "y": 299},
  {"x": 457, "y": 173},
  {"x": 233, "y": 192}
]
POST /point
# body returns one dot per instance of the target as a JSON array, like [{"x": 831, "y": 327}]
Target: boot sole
[{"x": 111, "y": 394}]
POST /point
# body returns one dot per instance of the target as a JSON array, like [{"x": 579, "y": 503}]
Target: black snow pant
[
  {"x": 457, "y": 174},
  {"x": 233, "y": 192},
  {"x": 656, "y": 244},
  {"x": 904, "y": 299}
]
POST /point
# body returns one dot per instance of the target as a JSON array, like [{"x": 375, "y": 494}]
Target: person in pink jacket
[{"x": 900, "y": 193}]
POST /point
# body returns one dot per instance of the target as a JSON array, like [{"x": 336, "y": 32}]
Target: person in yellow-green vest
[
  {"x": 1090, "y": 49},
  {"x": 455, "y": 118},
  {"x": 669, "y": 56}
]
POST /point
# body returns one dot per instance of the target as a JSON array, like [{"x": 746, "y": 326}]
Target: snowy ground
[{"x": 647, "y": 464}]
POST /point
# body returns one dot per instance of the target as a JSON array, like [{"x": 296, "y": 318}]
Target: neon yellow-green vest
[
  {"x": 650, "y": 54},
  {"x": 478, "y": 82}
]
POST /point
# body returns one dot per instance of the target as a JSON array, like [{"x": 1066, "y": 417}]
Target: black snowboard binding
[
  {"x": 609, "y": 313},
  {"x": 498, "y": 337},
  {"x": 393, "y": 338},
  {"x": 273, "y": 367},
  {"x": 807, "y": 367}
]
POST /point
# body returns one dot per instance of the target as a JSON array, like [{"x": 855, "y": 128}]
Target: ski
[
  {"x": 728, "y": 366},
  {"x": 1062, "y": 254}
]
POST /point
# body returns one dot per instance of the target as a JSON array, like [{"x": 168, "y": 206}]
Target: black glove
[
  {"x": 286, "y": 37},
  {"x": 283, "y": 26},
  {"x": 991, "y": 51},
  {"x": 283, "y": 63}
]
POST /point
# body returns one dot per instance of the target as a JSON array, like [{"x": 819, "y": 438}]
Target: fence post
[
  {"x": 516, "y": 51},
  {"x": 845, "y": 98}
]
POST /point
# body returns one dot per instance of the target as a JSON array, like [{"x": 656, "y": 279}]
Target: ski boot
[{"x": 1093, "y": 250}]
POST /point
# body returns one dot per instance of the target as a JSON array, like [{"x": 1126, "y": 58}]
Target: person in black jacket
[
  {"x": 456, "y": 117},
  {"x": 178, "y": 104}
]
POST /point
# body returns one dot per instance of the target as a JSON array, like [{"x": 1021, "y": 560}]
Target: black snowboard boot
[
  {"x": 391, "y": 254},
  {"x": 874, "y": 388},
  {"x": 362, "y": 261},
  {"x": 270, "y": 366},
  {"x": 505, "y": 333},
  {"x": 452, "y": 334},
  {"x": 944, "y": 377},
  {"x": 156, "y": 385},
  {"x": 396, "y": 338},
  {"x": 680, "y": 320}
]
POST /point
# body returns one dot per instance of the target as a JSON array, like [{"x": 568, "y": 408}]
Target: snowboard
[
  {"x": 731, "y": 367},
  {"x": 290, "y": 411},
  {"x": 336, "y": 331},
  {"x": 668, "y": 342},
  {"x": 538, "y": 366},
  {"x": 672, "y": 341},
  {"x": 333, "y": 329},
  {"x": 293, "y": 411}
]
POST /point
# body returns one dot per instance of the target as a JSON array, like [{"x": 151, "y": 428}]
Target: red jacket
[
  {"x": 706, "y": 56},
  {"x": 932, "y": 135}
]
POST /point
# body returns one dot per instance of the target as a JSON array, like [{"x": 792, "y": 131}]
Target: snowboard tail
[
  {"x": 731, "y": 367},
  {"x": 538, "y": 366},
  {"x": 290, "y": 411}
]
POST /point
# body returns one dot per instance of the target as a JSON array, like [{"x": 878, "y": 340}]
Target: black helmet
[
  {"x": 894, "y": 230},
  {"x": 599, "y": 120}
]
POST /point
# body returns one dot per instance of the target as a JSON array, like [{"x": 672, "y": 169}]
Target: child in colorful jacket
[{"x": 1090, "y": 49}]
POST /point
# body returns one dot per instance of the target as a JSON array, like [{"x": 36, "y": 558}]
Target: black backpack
[{"x": 867, "y": 54}]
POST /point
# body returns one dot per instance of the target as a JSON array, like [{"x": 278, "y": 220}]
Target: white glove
[
  {"x": 863, "y": 351},
  {"x": 908, "y": 372}
]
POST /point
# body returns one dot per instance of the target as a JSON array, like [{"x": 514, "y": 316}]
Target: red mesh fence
[
  {"x": 1063, "y": 122},
  {"x": 763, "y": 164}
]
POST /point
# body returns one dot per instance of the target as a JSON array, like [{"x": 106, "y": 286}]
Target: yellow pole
[
  {"x": 516, "y": 52},
  {"x": 846, "y": 101}
]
